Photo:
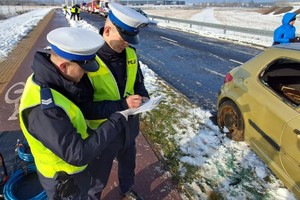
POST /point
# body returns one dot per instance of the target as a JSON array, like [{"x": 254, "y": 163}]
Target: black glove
[
  {"x": 66, "y": 186},
  {"x": 296, "y": 39}
]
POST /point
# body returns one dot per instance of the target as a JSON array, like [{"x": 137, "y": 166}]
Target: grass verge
[{"x": 161, "y": 127}]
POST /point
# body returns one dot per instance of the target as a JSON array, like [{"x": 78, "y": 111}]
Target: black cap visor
[
  {"x": 131, "y": 38},
  {"x": 88, "y": 65}
]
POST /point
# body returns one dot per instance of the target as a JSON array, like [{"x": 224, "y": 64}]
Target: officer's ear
[
  {"x": 60, "y": 63},
  {"x": 106, "y": 30},
  {"x": 63, "y": 66}
]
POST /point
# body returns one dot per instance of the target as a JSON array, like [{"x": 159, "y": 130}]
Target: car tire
[{"x": 230, "y": 117}]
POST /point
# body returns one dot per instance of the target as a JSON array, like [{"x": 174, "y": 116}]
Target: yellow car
[{"x": 259, "y": 103}]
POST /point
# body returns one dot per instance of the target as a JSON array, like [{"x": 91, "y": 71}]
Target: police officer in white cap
[
  {"x": 119, "y": 85},
  {"x": 52, "y": 122}
]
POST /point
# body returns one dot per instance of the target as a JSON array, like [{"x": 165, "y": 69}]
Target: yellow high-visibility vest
[
  {"x": 46, "y": 161},
  {"x": 105, "y": 85}
]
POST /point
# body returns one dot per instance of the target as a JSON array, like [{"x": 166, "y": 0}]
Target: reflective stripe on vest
[
  {"x": 105, "y": 85},
  {"x": 46, "y": 161}
]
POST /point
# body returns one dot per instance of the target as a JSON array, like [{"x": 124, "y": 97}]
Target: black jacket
[{"x": 53, "y": 127}]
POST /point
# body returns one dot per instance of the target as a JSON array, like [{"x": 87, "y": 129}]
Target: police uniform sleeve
[{"x": 53, "y": 128}]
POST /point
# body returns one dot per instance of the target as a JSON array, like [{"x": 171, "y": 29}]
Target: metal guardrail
[{"x": 225, "y": 28}]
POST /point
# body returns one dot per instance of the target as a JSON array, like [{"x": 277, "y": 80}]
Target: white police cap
[
  {"x": 127, "y": 21},
  {"x": 77, "y": 45}
]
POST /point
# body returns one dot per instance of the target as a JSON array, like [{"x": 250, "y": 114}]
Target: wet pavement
[{"x": 152, "y": 181}]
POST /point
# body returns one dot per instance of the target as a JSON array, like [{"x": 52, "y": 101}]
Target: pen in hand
[{"x": 133, "y": 100}]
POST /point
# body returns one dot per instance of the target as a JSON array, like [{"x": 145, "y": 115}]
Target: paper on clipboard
[{"x": 148, "y": 105}]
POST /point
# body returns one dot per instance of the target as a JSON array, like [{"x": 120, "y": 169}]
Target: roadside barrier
[{"x": 225, "y": 28}]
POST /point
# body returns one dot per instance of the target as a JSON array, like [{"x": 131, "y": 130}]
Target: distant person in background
[
  {"x": 78, "y": 12},
  {"x": 286, "y": 33},
  {"x": 73, "y": 12},
  {"x": 65, "y": 8}
]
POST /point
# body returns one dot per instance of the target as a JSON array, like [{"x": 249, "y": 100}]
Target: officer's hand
[
  {"x": 126, "y": 113},
  {"x": 66, "y": 185},
  {"x": 134, "y": 101}
]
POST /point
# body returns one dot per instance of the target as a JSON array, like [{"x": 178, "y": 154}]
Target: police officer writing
[
  {"x": 53, "y": 124},
  {"x": 118, "y": 85},
  {"x": 286, "y": 32}
]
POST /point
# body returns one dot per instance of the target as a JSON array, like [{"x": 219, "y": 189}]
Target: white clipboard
[{"x": 148, "y": 105}]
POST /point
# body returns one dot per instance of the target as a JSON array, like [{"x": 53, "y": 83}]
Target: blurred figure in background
[
  {"x": 77, "y": 11},
  {"x": 73, "y": 12},
  {"x": 65, "y": 9},
  {"x": 286, "y": 33}
]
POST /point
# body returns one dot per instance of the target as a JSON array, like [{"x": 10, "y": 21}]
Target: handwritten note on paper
[{"x": 148, "y": 105}]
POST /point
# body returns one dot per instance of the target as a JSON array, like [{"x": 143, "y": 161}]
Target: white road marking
[
  {"x": 15, "y": 101},
  {"x": 169, "y": 39},
  {"x": 214, "y": 72},
  {"x": 235, "y": 61}
]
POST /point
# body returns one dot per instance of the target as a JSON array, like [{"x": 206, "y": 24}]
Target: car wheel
[{"x": 229, "y": 116}]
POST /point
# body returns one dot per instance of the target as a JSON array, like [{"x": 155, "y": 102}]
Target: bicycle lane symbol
[{"x": 13, "y": 96}]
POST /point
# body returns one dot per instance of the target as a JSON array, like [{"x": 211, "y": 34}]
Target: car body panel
[
  {"x": 270, "y": 119},
  {"x": 291, "y": 140}
]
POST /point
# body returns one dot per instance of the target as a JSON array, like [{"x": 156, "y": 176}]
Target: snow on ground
[
  {"x": 229, "y": 167},
  {"x": 15, "y": 28}
]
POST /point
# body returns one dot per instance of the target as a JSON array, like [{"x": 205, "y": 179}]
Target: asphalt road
[{"x": 194, "y": 65}]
